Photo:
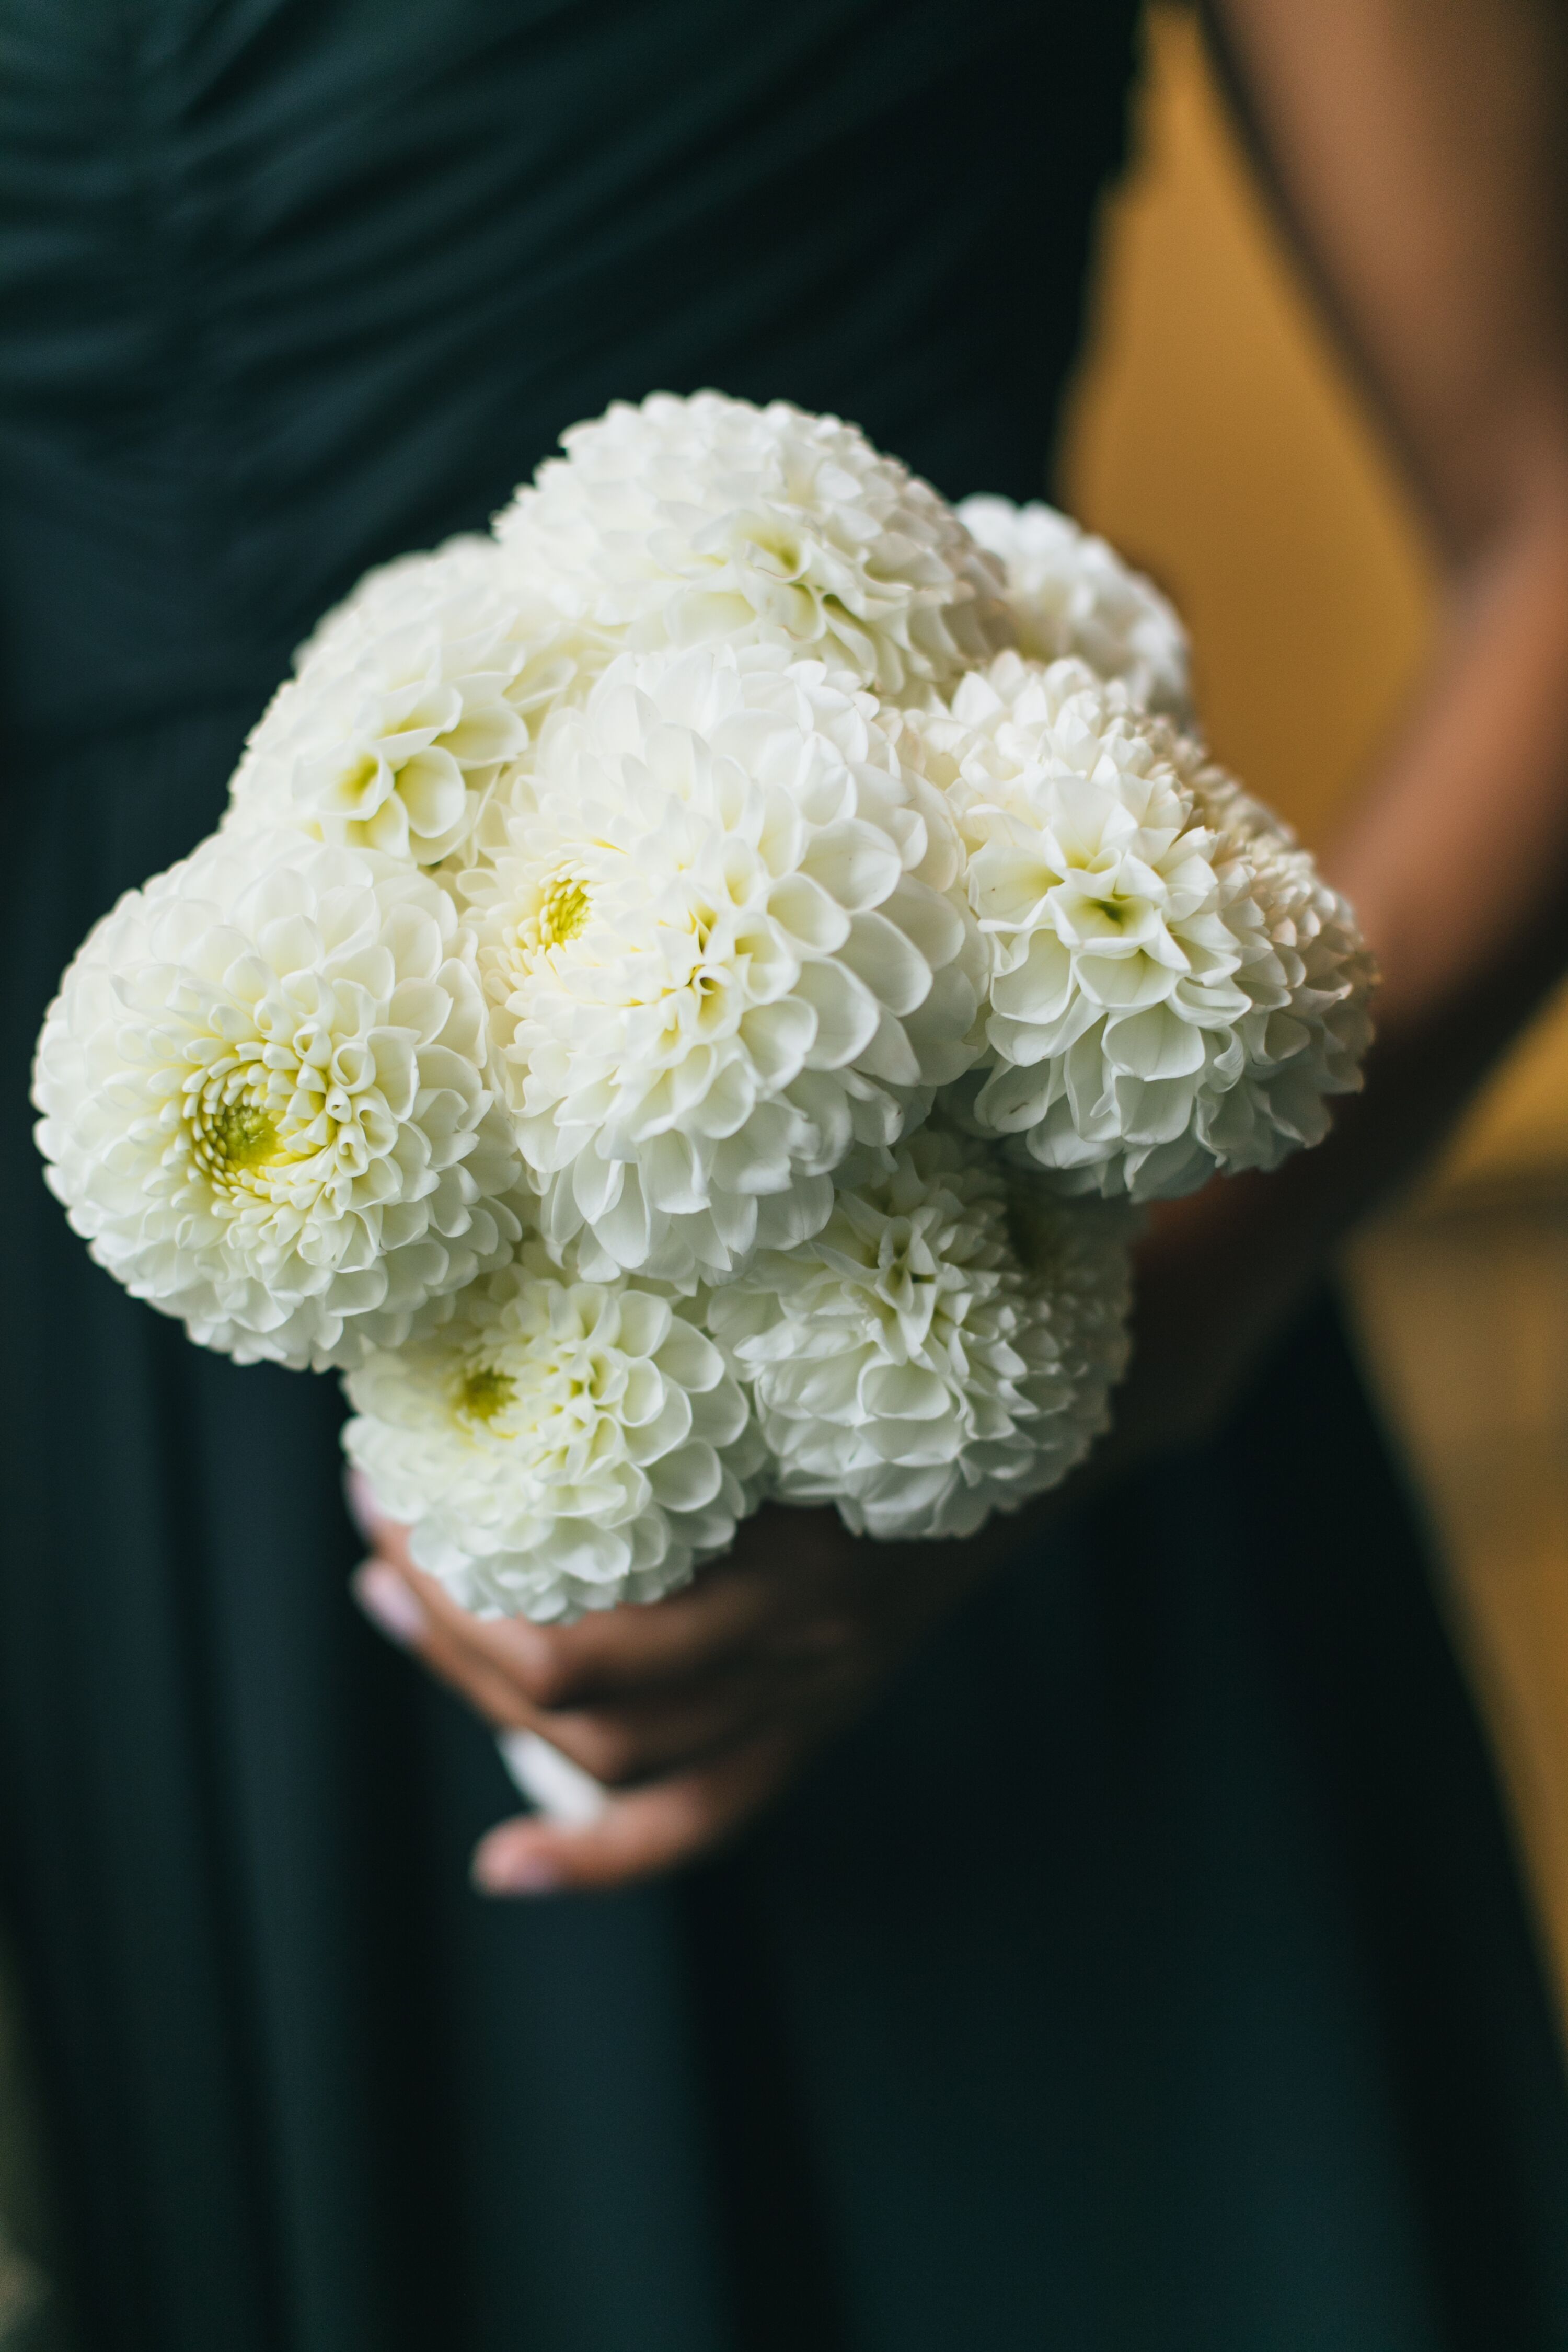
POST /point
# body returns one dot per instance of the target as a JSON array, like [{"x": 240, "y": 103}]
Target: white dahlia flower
[
  {"x": 722, "y": 939},
  {"x": 1070, "y": 593},
  {"x": 263, "y": 1104},
  {"x": 690, "y": 520},
  {"x": 409, "y": 699},
  {"x": 558, "y": 1445},
  {"x": 943, "y": 1348},
  {"x": 1173, "y": 989}
]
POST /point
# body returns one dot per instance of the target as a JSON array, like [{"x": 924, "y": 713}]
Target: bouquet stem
[{"x": 553, "y": 1784}]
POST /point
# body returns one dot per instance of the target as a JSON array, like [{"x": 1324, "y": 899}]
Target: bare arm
[
  {"x": 1414, "y": 147},
  {"x": 1417, "y": 148}
]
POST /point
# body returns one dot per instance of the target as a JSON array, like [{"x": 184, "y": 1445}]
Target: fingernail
[
  {"x": 388, "y": 1603},
  {"x": 359, "y": 1495},
  {"x": 506, "y": 1869}
]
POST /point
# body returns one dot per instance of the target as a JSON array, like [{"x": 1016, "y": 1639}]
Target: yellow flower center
[
  {"x": 483, "y": 1391},
  {"x": 563, "y": 911},
  {"x": 234, "y": 1137}
]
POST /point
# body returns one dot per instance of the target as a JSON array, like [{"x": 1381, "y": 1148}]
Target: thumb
[{"x": 640, "y": 1833}]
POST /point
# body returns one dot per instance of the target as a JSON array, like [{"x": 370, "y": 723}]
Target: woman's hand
[
  {"x": 1415, "y": 156},
  {"x": 697, "y": 1710}
]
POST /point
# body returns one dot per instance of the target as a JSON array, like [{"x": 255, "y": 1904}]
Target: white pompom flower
[
  {"x": 943, "y": 1348},
  {"x": 702, "y": 519},
  {"x": 1174, "y": 988},
  {"x": 263, "y": 1101},
  {"x": 559, "y": 1445},
  {"x": 409, "y": 699},
  {"x": 1069, "y": 592},
  {"x": 721, "y": 936}
]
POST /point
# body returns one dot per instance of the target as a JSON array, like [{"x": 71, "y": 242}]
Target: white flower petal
[
  {"x": 942, "y": 1347},
  {"x": 1144, "y": 921},
  {"x": 288, "y": 1203},
  {"x": 559, "y": 1444},
  {"x": 1070, "y": 593},
  {"x": 409, "y": 698},
  {"x": 696, "y": 521},
  {"x": 695, "y": 894}
]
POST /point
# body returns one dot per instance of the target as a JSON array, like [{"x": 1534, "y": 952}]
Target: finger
[
  {"x": 509, "y": 1658},
  {"x": 733, "y": 1604},
  {"x": 729, "y": 1619},
  {"x": 624, "y": 1741},
  {"x": 364, "y": 1509},
  {"x": 396, "y": 1610},
  {"x": 721, "y": 1620},
  {"x": 644, "y": 1834},
  {"x": 548, "y": 1669}
]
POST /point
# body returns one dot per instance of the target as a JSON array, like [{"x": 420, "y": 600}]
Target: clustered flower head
[
  {"x": 558, "y": 1445},
  {"x": 685, "y": 995},
  {"x": 695, "y": 521},
  {"x": 1070, "y": 592},
  {"x": 942, "y": 1348},
  {"x": 407, "y": 703},
  {"x": 1172, "y": 988},
  {"x": 710, "y": 912},
  {"x": 263, "y": 1100}
]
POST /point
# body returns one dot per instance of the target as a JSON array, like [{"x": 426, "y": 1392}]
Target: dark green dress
[{"x": 1150, "y": 1974}]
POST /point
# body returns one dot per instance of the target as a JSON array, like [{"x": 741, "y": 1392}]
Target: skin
[{"x": 1412, "y": 147}]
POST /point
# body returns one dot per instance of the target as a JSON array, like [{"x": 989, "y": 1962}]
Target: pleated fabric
[{"x": 1150, "y": 1973}]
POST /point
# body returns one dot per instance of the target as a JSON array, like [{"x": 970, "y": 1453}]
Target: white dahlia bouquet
[{"x": 685, "y": 1003}]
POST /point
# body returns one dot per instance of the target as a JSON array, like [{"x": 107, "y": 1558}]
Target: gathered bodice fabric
[{"x": 291, "y": 286}]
